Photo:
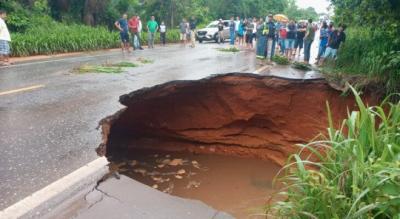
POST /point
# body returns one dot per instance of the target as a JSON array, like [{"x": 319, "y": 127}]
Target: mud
[
  {"x": 241, "y": 187},
  {"x": 236, "y": 114}
]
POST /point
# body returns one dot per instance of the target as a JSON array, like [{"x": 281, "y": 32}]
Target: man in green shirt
[
  {"x": 308, "y": 40},
  {"x": 152, "y": 27}
]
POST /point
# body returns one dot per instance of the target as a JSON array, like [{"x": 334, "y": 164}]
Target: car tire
[
  {"x": 216, "y": 37},
  {"x": 200, "y": 41}
]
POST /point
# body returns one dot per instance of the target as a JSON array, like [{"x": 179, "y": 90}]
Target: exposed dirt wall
[{"x": 235, "y": 114}]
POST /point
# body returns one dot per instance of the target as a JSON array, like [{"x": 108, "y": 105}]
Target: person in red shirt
[{"x": 133, "y": 25}]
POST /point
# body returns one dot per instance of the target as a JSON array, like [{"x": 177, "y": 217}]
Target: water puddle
[{"x": 239, "y": 186}]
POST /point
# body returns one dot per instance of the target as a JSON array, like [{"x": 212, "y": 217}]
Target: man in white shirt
[{"x": 5, "y": 40}]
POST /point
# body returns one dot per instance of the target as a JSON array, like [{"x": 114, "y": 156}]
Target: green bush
[
  {"x": 357, "y": 172},
  {"x": 372, "y": 52},
  {"x": 281, "y": 60},
  {"x": 60, "y": 38}
]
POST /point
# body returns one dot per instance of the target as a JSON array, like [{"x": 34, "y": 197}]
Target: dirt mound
[{"x": 234, "y": 114}]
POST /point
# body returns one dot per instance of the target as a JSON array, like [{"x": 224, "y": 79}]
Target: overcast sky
[{"x": 319, "y": 5}]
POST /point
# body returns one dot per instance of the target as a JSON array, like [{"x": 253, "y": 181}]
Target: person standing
[
  {"x": 261, "y": 39},
  {"x": 139, "y": 36},
  {"x": 152, "y": 28},
  {"x": 249, "y": 34},
  {"x": 133, "y": 25},
  {"x": 282, "y": 38},
  {"x": 237, "y": 24},
  {"x": 220, "y": 31},
  {"x": 240, "y": 33},
  {"x": 122, "y": 25},
  {"x": 5, "y": 40},
  {"x": 192, "y": 27},
  {"x": 232, "y": 31},
  {"x": 255, "y": 29},
  {"x": 308, "y": 40},
  {"x": 323, "y": 37},
  {"x": 270, "y": 31},
  {"x": 163, "y": 33},
  {"x": 183, "y": 29},
  {"x": 291, "y": 37},
  {"x": 336, "y": 38},
  {"x": 301, "y": 33}
]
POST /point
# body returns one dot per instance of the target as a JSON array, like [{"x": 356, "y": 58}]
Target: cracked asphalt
[{"x": 50, "y": 131}]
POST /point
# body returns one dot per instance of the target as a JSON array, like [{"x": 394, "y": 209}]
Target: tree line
[{"x": 104, "y": 12}]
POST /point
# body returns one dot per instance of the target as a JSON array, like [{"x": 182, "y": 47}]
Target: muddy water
[{"x": 238, "y": 186}]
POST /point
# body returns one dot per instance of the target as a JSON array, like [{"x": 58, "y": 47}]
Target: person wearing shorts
[
  {"x": 183, "y": 31},
  {"x": 290, "y": 39},
  {"x": 249, "y": 34},
  {"x": 336, "y": 38},
  {"x": 298, "y": 44},
  {"x": 5, "y": 40},
  {"x": 122, "y": 25}
]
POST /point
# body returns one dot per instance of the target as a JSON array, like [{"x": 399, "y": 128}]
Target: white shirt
[
  {"x": 237, "y": 25},
  {"x": 163, "y": 28},
  {"x": 140, "y": 27},
  {"x": 255, "y": 27},
  {"x": 4, "y": 34}
]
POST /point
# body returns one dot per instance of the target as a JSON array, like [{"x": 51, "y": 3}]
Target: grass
[
  {"x": 113, "y": 68},
  {"x": 62, "y": 38},
  {"x": 354, "y": 171},
  {"x": 98, "y": 69},
  {"x": 281, "y": 60},
  {"x": 124, "y": 65},
  {"x": 230, "y": 49},
  {"x": 145, "y": 61},
  {"x": 370, "y": 52},
  {"x": 301, "y": 66}
]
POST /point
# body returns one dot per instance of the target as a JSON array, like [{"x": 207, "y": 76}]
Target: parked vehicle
[{"x": 210, "y": 33}]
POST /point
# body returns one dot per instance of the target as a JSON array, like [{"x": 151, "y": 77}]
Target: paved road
[{"x": 49, "y": 131}]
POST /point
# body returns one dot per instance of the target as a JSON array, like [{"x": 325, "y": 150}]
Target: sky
[{"x": 319, "y": 5}]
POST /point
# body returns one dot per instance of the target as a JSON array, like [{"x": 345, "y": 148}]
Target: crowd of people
[
  {"x": 131, "y": 32},
  {"x": 287, "y": 38},
  {"x": 271, "y": 37}
]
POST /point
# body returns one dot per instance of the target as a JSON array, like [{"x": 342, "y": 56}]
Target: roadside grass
[
  {"x": 301, "y": 66},
  {"x": 280, "y": 60},
  {"x": 112, "y": 68},
  {"x": 63, "y": 38},
  {"x": 354, "y": 171},
  {"x": 145, "y": 61},
  {"x": 230, "y": 49},
  {"x": 373, "y": 53},
  {"x": 98, "y": 69}
]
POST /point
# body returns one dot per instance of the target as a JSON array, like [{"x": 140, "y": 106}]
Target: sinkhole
[{"x": 221, "y": 139}]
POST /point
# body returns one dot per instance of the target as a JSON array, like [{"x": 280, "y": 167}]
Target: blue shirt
[{"x": 123, "y": 23}]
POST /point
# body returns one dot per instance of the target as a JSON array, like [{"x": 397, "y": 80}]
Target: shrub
[
  {"x": 61, "y": 38},
  {"x": 280, "y": 60},
  {"x": 357, "y": 175},
  {"x": 371, "y": 52}
]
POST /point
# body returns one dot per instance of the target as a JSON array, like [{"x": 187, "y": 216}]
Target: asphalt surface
[{"x": 48, "y": 132}]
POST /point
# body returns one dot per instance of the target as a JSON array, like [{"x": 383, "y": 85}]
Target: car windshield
[{"x": 213, "y": 25}]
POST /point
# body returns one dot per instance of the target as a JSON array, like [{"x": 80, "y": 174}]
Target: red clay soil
[{"x": 235, "y": 114}]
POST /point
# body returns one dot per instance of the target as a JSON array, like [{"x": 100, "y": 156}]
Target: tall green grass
[
  {"x": 354, "y": 172},
  {"x": 373, "y": 53},
  {"x": 61, "y": 38}
]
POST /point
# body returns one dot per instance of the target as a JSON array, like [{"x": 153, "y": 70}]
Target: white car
[{"x": 210, "y": 33}]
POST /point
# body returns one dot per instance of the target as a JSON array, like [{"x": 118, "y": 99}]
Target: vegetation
[
  {"x": 98, "y": 69},
  {"x": 301, "y": 66},
  {"x": 356, "y": 176},
  {"x": 281, "y": 60},
  {"x": 372, "y": 47},
  {"x": 230, "y": 49}
]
